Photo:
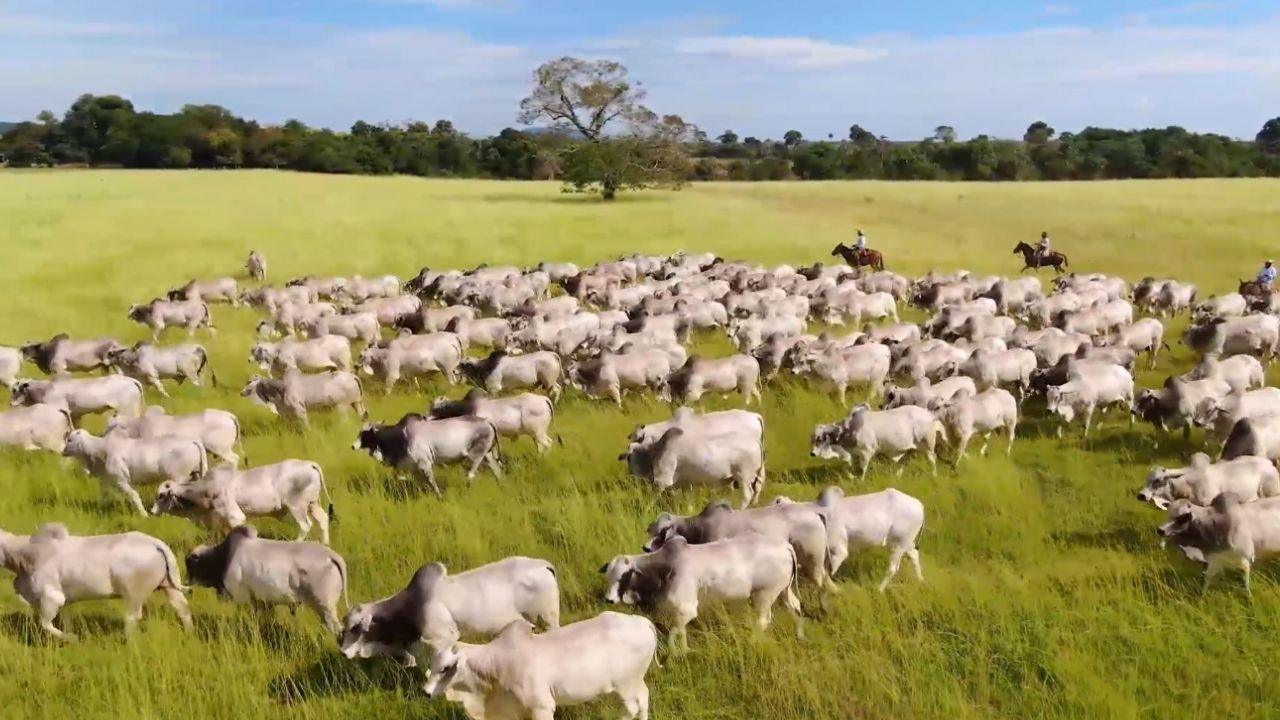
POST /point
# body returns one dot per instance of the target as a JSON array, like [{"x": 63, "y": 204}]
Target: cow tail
[
  {"x": 941, "y": 429},
  {"x": 204, "y": 365},
  {"x": 795, "y": 568},
  {"x": 341, "y": 564},
  {"x": 364, "y": 411},
  {"x": 551, "y": 408},
  {"x": 240, "y": 440},
  {"x": 825, "y": 515},
  {"x": 71, "y": 422},
  {"x": 325, "y": 487},
  {"x": 171, "y": 574},
  {"x": 208, "y": 317},
  {"x": 657, "y": 642},
  {"x": 497, "y": 444},
  {"x": 204, "y": 461}
]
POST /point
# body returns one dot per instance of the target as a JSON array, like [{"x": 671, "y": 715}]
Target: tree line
[{"x": 594, "y": 133}]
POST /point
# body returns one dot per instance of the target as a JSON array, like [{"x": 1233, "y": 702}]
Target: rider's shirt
[
  {"x": 1268, "y": 275},
  {"x": 1044, "y": 244},
  {"x": 862, "y": 242}
]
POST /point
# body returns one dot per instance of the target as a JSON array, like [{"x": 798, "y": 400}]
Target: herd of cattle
[{"x": 990, "y": 349}]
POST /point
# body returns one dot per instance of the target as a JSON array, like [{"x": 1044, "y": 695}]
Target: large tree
[{"x": 622, "y": 144}]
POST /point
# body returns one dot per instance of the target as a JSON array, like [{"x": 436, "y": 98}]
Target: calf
[
  {"x": 1200, "y": 482},
  {"x": 868, "y": 433},
  {"x": 217, "y": 290},
  {"x": 160, "y": 314},
  {"x": 226, "y": 497},
  {"x": 531, "y": 675},
  {"x": 886, "y": 518},
  {"x": 60, "y": 354},
  {"x": 501, "y": 372},
  {"x": 489, "y": 333},
  {"x": 436, "y": 608},
  {"x": 993, "y": 411},
  {"x": 741, "y": 423},
  {"x": 54, "y": 568},
  {"x": 693, "y": 457},
  {"x": 1219, "y": 414},
  {"x": 357, "y": 326},
  {"x": 1083, "y": 394},
  {"x": 610, "y": 374},
  {"x": 123, "y": 461},
  {"x": 1227, "y": 532},
  {"x": 1144, "y": 336},
  {"x": 150, "y": 363},
  {"x": 806, "y": 528},
  {"x": 330, "y": 352},
  {"x": 256, "y": 266},
  {"x": 414, "y": 356},
  {"x": 250, "y": 570},
  {"x": 37, "y": 427},
  {"x": 867, "y": 364},
  {"x": 926, "y": 392},
  {"x": 723, "y": 375},
  {"x": 416, "y": 444},
  {"x": 295, "y": 394},
  {"x": 525, "y": 414},
  {"x": 1240, "y": 372},
  {"x": 217, "y": 430},
  {"x": 673, "y": 579},
  {"x": 82, "y": 396}
]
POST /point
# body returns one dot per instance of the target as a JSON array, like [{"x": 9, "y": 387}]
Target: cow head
[
  {"x": 207, "y": 566},
  {"x": 174, "y": 499},
  {"x": 825, "y": 442},
  {"x": 142, "y": 313},
  {"x": 263, "y": 354}
]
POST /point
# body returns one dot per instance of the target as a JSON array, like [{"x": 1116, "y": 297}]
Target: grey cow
[
  {"x": 250, "y": 570},
  {"x": 151, "y": 363}
]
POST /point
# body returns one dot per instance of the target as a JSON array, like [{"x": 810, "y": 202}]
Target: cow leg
[
  {"x": 616, "y": 394},
  {"x": 913, "y": 554},
  {"x": 1013, "y": 431},
  {"x": 542, "y": 440},
  {"x": 1246, "y": 565},
  {"x": 895, "y": 562},
  {"x": 793, "y": 604},
  {"x": 178, "y": 601},
  {"x": 132, "y": 612},
  {"x": 329, "y": 614},
  {"x": 321, "y": 519},
  {"x": 392, "y": 378},
  {"x": 1088, "y": 420},
  {"x": 543, "y": 712},
  {"x": 635, "y": 698},
  {"x": 159, "y": 386},
  {"x": 491, "y": 459},
  {"x": 428, "y": 472},
  {"x": 359, "y": 407},
  {"x": 986, "y": 441},
  {"x": 122, "y": 484},
  {"x": 762, "y": 601},
  {"x": 840, "y": 391},
  {"x": 300, "y": 516},
  {"x": 51, "y": 602},
  {"x": 962, "y": 447},
  {"x": 866, "y": 462},
  {"x": 1215, "y": 568}
]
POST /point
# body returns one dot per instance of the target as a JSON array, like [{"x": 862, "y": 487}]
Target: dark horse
[
  {"x": 1054, "y": 259},
  {"x": 1253, "y": 290},
  {"x": 857, "y": 259}
]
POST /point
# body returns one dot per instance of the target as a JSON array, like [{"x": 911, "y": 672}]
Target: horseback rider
[
  {"x": 1042, "y": 250},
  {"x": 860, "y": 245},
  {"x": 1267, "y": 277}
]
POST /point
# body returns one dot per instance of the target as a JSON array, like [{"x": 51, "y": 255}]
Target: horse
[
  {"x": 857, "y": 258},
  {"x": 1053, "y": 259},
  {"x": 1253, "y": 289}
]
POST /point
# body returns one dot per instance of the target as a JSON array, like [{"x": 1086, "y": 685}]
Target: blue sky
[{"x": 760, "y": 68}]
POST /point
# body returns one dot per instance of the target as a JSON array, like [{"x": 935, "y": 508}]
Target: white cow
[
  {"x": 55, "y": 568},
  {"x": 122, "y": 461},
  {"x": 1202, "y": 480},
  {"x": 522, "y": 675},
  {"x": 867, "y": 433}
]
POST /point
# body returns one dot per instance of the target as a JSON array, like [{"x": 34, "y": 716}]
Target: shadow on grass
[
  {"x": 333, "y": 676},
  {"x": 23, "y": 627}
]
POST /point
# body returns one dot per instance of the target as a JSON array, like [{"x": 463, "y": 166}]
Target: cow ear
[{"x": 604, "y": 568}]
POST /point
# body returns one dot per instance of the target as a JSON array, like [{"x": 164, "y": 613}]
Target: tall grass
[{"x": 1046, "y": 593}]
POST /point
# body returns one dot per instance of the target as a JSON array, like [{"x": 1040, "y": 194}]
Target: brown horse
[
  {"x": 1054, "y": 259},
  {"x": 1253, "y": 290},
  {"x": 857, "y": 258}
]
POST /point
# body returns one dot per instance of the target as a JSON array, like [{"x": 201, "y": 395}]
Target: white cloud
[
  {"x": 34, "y": 26},
  {"x": 798, "y": 52},
  {"x": 1059, "y": 9},
  {"x": 1223, "y": 79}
]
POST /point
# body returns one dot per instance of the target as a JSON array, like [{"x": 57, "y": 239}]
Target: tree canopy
[{"x": 625, "y": 145}]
